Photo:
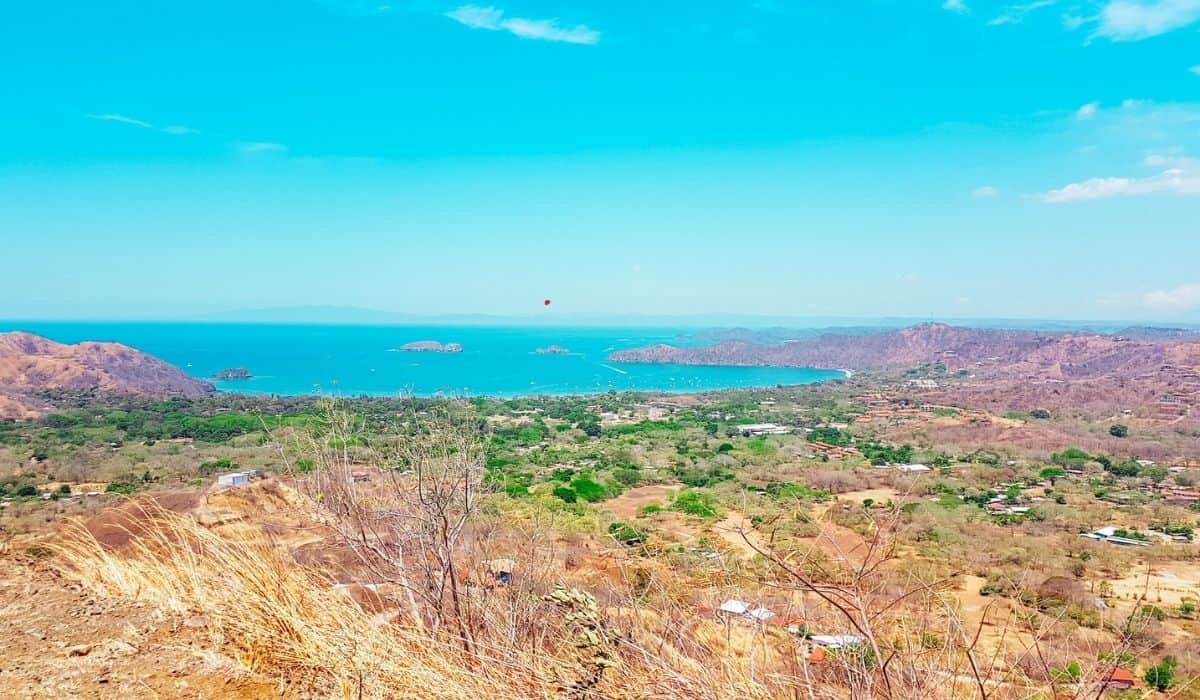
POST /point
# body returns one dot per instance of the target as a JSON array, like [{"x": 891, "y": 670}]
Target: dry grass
[
  {"x": 286, "y": 622},
  {"x": 283, "y": 620}
]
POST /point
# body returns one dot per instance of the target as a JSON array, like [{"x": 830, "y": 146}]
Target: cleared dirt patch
[
  {"x": 1168, "y": 583},
  {"x": 731, "y": 529},
  {"x": 879, "y": 495},
  {"x": 630, "y": 503}
]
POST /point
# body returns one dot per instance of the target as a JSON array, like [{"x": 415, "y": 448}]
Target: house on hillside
[
  {"x": 836, "y": 641},
  {"x": 1002, "y": 508},
  {"x": 761, "y": 429},
  {"x": 738, "y": 610},
  {"x": 1120, "y": 679},
  {"x": 233, "y": 479},
  {"x": 1109, "y": 535}
]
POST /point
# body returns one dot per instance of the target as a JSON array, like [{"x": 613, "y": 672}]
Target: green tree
[
  {"x": 1119, "y": 431},
  {"x": 1052, "y": 473},
  {"x": 589, "y": 490},
  {"x": 698, "y": 503},
  {"x": 1161, "y": 674},
  {"x": 626, "y": 534},
  {"x": 830, "y": 436}
]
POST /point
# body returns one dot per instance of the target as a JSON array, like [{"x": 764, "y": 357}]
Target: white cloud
[
  {"x": 1133, "y": 20},
  {"x": 250, "y": 148},
  {"x": 1073, "y": 22},
  {"x": 1087, "y": 111},
  {"x": 1167, "y": 160},
  {"x": 493, "y": 19},
  {"x": 985, "y": 191},
  {"x": 1015, "y": 14},
  {"x": 477, "y": 17},
  {"x": 121, "y": 119},
  {"x": 1195, "y": 70},
  {"x": 1183, "y": 179},
  {"x": 956, "y": 6},
  {"x": 1183, "y": 297}
]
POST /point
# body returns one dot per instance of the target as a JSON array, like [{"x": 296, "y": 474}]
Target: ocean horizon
[{"x": 354, "y": 360}]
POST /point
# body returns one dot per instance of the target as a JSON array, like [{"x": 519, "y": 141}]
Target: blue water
[{"x": 357, "y": 360}]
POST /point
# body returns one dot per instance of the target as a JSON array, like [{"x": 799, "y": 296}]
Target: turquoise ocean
[{"x": 364, "y": 360}]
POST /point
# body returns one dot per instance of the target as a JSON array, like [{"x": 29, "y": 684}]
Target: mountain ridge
[
  {"x": 31, "y": 365},
  {"x": 996, "y": 352}
]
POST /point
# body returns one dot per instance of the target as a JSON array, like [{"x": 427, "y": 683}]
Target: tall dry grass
[{"x": 283, "y": 621}]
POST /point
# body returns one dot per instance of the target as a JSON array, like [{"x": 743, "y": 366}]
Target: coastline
[
  {"x": 295, "y": 360},
  {"x": 802, "y": 377}
]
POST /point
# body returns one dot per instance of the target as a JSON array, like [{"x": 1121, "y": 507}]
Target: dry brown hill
[
  {"x": 1000, "y": 352},
  {"x": 31, "y": 365}
]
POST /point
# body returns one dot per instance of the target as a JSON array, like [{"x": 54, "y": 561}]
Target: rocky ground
[{"x": 60, "y": 641}]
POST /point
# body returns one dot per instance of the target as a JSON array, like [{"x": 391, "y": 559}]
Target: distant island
[
  {"x": 430, "y": 346},
  {"x": 232, "y": 374},
  {"x": 552, "y": 350}
]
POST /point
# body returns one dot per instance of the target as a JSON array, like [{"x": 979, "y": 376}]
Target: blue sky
[{"x": 863, "y": 158}]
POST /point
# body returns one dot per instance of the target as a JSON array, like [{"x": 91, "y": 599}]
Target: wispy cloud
[
  {"x": 1182, "y": 177},
  {"x": 1183, "y": 298},
  {"x": 493, "y": 19},
  {"x": 985, "y": 191},
  {"x": 956, "y": 6},
  {"x": 1134, "y": 20},
  {"x": 1088, "y": 111},
  {"x": 250, "y": 148},
  {"x": 121, "y": 119},
  {"x": 1195, "y": 70},
  {"x": 1015, "y": 14}
]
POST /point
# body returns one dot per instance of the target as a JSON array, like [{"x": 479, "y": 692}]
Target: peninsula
[{"x": 32, "y": 367}]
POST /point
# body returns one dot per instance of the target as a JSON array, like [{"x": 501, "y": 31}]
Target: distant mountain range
[
  {"x": 31, "y": 366},
  {"x": 1151, "y": 373},
  {"x": 716, "y": 324}
]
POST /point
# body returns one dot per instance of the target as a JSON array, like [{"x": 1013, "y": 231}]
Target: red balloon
[{"x": 546, "y": 303}]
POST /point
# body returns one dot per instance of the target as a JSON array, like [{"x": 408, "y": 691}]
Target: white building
[
  {"x": 1109, "y": 535},
  {"x": 739, "y": 610},
  {"x": 760, "y": 429},
  {"x": 836, "y": 641},
  {"x": 233, "y": 479}
]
